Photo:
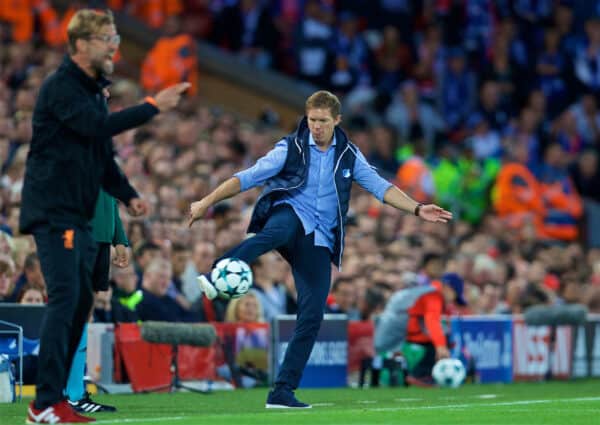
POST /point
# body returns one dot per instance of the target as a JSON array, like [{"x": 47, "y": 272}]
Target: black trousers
[
  {"x": 67, "y": 256},
  {"x": 101, "y": 268},
  {"x": 311, "y": 267}
]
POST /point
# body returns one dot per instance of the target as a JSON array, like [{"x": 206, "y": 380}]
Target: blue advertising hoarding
[
  {"x": 487, "y": 340},
  {"x": 328, "y": 362}
]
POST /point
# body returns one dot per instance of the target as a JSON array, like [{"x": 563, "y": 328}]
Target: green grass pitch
[{"x": 553, "y": 403}]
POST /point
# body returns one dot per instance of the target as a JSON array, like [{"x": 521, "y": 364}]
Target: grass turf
[{"x": 572, "y": 403}]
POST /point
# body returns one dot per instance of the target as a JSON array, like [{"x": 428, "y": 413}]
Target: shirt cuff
[
  {"x": 380, "y": 193},
  {"x": 245, "y": 180}
]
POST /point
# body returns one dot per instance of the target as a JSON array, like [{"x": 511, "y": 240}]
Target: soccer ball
[
  {"x": 449, "y": 373},
  {"x": 231, "y": 277}
]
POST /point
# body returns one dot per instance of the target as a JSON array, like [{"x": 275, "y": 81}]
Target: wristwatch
[{"x": 418, "y": 209}]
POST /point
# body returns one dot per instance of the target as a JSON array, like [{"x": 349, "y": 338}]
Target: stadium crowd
[{"x": 488, "y": 108}]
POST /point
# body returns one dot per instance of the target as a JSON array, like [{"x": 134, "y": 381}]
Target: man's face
[
  {"x": 179, "y": 260},
  {"x": 157, "y": 282},
  {"x": 203, "y": 256},
  {"x": 101, "y": 48},
  {"x": 345, "y": 296},
  {"x": 321, "y": 124},
  {"x": 126, "y": 279}
]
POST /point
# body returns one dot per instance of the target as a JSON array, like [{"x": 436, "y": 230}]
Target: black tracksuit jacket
[{"x": 71, "y": 153}]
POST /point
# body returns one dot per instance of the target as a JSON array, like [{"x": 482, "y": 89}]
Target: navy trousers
[{"x": 311, "y": 268}]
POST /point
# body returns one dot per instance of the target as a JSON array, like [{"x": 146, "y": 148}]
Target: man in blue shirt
[{"x": 307, "y": 178}]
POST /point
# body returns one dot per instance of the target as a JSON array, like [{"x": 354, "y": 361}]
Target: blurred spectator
[
  {"x": 154, "y": 13},
  {"x": 586, "y": 175},
  {"x": 271, "y": 294},
  {"x": 31, "y": 294},
  {"x": 343, "y": 298},
  {"x": 457, "y": 90},
  {"x": 313, "y": 37},
  {"x": 107, "y": 309},
  {"x": 413, "y": 118},
  {"x": 247, "y": 28},
  {"x": 202, "y": 259},
  {"x": 517, "y": 197},
  {"x": 587, "y": 117},
  {"x": 562, "y": 202},
  {"x": 156, "y": 304},
  {"x": 31, "y": 275},
  {"x": 7, "y": 269},
  {"x": 172, "y": 59},
  {"x": 587, "y": 59},
  {"x": 246, "y": 309}
]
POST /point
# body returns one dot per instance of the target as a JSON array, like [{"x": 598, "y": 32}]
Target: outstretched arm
[
  {"x": 225, "y": 190},
  {"x": 265, "y": 167},
  {"x": 430, "y": 212}
]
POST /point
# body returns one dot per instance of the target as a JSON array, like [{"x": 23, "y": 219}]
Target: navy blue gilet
[{"x": 294, "y": 176}]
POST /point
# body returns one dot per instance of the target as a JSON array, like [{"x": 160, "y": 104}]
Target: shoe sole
[
  {"x": 207, "y": 288},
  {"x": 283, "y": 406}
]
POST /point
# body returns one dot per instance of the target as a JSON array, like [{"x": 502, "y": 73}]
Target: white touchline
[
  {"x": 130, "y": 421},
  {"x": 503, "y": 403}
]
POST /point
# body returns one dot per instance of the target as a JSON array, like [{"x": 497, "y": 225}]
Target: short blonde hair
[
  {"x": 324, "y": 99},
  {"x": 85, "y": 23},
  {"x": 231, "y": 313}
]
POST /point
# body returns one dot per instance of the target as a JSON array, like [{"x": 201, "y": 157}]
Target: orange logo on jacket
[{"x": 69, "y": 237}]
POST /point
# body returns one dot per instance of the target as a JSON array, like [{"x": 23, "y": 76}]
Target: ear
[
  {"x": 337, "y": 120},
  {"x": 80, "y": 46}
]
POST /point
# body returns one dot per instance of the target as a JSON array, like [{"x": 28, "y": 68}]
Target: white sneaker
[{"x": 209, "y": 290}]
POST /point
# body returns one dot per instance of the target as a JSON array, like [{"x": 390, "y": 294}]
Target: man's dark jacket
[{"x": 71, "y": 154}]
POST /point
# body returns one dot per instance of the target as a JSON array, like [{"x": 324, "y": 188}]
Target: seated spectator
[
  {"x": 586, "y": 175},
  {"x": 271, "y": 294},
  {"x": 343, "y": 298},
  {"x": 383, "y": 154},
  {"x": 414, "y": 176},
  {"x": 7, "y": 270},
  {"x": 246, "y": 309},
  {"x": 562, "y": 203},
  {"x": 32, "y": 274},
  {"x": 156, "y": 304},
  {"x": 587, "y": 117},
  {"x": 517, "y": 196},
  {"x": 31, "y": 294},
  {"x": 108, "y": 309},
  {"x": 124, "y": 282}
]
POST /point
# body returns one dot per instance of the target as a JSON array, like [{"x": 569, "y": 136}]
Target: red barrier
[
  {"x": 148, "y": 365},
  {"x": 360, "y": 343}
]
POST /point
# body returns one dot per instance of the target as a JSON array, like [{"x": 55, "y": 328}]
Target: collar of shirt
[{"x": 312, "y": 142}]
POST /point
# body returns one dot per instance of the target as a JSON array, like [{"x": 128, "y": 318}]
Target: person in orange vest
[
  {"x": 155, "y": 13},
  {"x": 415, "y": 177},
  {"x": 517, "y": 194},
  {"x": 563, "y": 204},
  {"x": 171, "y": 60},
  {"x": 21, "y": 15}
]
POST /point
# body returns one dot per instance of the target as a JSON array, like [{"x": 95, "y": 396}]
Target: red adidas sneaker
[{"x": 59, "y": 413}]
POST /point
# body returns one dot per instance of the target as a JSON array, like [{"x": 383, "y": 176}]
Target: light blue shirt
[{"x": 315, "y": 203}]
